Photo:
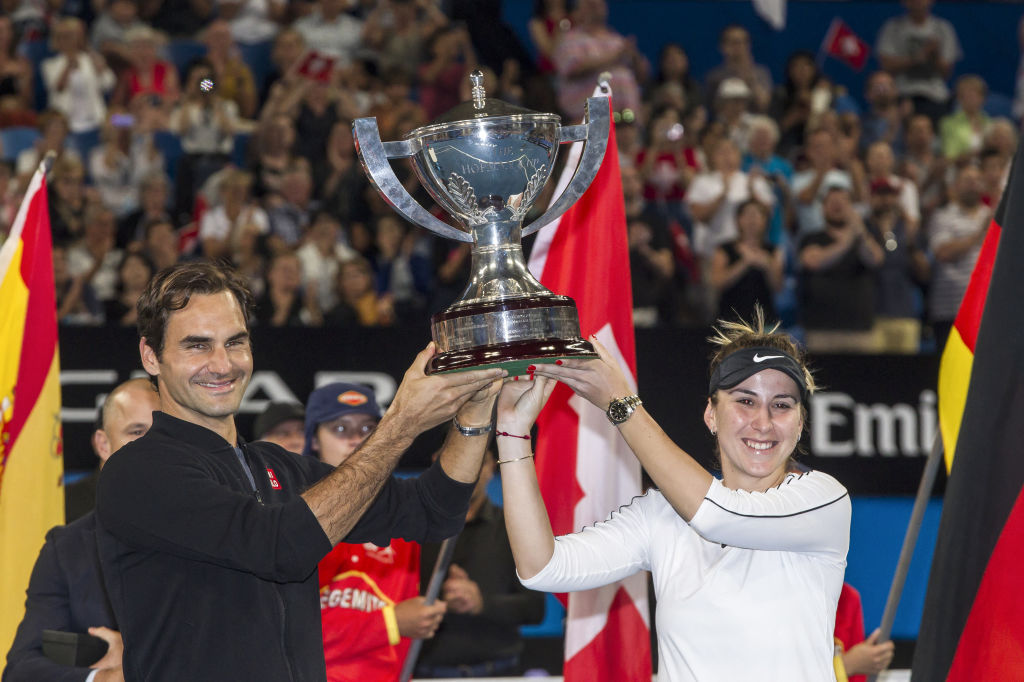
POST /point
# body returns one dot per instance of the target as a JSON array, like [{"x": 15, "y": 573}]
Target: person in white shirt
[
  {"x": 252, "y": 21},
  {"x": 321, "y": 255},
  {"x": 222, "y": 227},
  {"x": 812, "y": 184},
  {"x": 330, "y": 31},
  {"x": 920, "y": 49},
  {"x": 76, "y": 80},
  {"x": 714, "y": 197},
  {"x": 747, "y": 569},
  {"x": 955, "y": 235}
]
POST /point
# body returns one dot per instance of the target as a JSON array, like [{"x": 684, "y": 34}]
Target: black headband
[{"x": 746, "y": 362}]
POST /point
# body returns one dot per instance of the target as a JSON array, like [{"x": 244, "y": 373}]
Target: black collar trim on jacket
[{"x": 188, "y": 432}]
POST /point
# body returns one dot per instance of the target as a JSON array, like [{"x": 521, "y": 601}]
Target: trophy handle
[
  {"x": 374, "y": 155},
  {"x": 595, "y": 135}
]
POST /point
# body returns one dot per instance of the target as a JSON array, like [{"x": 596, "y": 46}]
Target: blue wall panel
[{"x": 987, "y": 32}]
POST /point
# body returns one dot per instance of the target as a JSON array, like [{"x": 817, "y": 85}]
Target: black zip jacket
[{"x": 213, "y": 578}]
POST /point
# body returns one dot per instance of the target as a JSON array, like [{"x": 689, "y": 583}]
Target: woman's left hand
[
  {"x": 520, "y": 401},
  {"x": 599, "y": 381}
]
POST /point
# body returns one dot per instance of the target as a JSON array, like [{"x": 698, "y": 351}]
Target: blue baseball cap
[{"x": 335, "y": 400}]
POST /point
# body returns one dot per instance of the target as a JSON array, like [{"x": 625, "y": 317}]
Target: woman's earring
[{"x": 714, "y": 433}]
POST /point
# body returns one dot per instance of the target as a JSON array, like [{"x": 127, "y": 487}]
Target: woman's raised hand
[
  {"x": 520, "y": 401},
  {"x": 599, "y": 381}
]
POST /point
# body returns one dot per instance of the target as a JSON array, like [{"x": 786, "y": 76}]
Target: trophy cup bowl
[{"x": 485, "y": 162}]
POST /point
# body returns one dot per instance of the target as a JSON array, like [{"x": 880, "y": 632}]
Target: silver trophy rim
[{"x": 434, "y": 128}]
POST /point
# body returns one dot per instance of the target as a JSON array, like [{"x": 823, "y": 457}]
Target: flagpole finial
[
  {"x": 46, "y": 165},
  {"x": 604, "y": 82}
]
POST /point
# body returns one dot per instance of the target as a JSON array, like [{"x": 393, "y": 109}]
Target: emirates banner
[{"x": 871, "y": 424}]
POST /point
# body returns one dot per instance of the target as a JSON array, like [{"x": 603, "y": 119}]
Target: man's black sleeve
[
  {"x": 428, "y": 508},
  {"x": 167, "y": 502}
]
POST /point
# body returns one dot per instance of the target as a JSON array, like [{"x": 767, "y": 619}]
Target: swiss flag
[
  {"x": 317, "y": 67},
  {"x": 845, "y": 45},
  {"x": 585, "y": 468}
]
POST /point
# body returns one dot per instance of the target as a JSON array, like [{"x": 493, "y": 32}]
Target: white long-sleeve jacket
[{"x": 746, "y": 591}]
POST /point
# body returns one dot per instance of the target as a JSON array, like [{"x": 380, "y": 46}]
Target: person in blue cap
[
  {"x": 370, "y": 606},
  {"x": 339, "y": 417}
]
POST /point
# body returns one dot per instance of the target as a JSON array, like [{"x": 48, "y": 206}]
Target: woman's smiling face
[{"x": 758, "y": 423}]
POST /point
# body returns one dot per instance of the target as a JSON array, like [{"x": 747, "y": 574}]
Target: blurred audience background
[{"x": 222, "y": 130}]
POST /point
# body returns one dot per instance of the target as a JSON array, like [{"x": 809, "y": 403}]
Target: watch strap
[{"x": 472, "y": 430}]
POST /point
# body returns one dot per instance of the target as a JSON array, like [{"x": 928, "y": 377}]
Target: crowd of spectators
[{"x": 226, "y": 134}]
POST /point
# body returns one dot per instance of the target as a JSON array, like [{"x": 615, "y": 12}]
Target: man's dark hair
[{"x": 173, "y": 287}]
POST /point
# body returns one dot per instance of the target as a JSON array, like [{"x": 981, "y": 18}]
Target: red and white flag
[
  {"x": 317, "y": 67},
  {"x": 585, "y": 468},
  {"x": 845, "y": 45}
]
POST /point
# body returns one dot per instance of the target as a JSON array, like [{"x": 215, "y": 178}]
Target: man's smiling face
[{"x": 206, "y": 362}]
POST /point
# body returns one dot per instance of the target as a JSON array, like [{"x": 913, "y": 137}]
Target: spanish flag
[
  {"x": 972, "y": 627},
  {"x": 31, "y": 464}
]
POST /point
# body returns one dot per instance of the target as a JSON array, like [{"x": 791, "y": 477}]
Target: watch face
[{"x": 619, "y": 411}]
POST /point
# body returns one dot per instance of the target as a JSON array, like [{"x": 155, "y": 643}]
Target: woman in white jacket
[{"x": 747, "y": 569}]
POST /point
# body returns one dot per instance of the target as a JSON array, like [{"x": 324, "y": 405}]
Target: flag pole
[
  {"x": 444, "y": 559},
  {"x": 830, "y": 35},
  {"x": 46, "y": 165},
  {"x": 924, "y": 493}
]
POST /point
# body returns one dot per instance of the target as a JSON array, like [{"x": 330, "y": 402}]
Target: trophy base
[
  {"x": 513, "y": 357},
  {"x": 510, "y": 333}
]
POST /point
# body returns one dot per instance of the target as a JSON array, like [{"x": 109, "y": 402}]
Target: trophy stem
[{"x": 498, "y": 267}]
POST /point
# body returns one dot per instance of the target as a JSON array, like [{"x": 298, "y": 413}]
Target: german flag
[
  {"x": 958, "y": 356},
  {"x": 31, "y": 464},
  {"x": 972, "y": 628}
]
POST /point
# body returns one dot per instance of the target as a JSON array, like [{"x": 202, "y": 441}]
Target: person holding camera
[{"x": 207, "y": 124}]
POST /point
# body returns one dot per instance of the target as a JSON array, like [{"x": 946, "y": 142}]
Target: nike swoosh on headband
[{"x": 762, "y": 358}]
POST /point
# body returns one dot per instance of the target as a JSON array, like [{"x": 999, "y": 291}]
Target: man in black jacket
[
  {"x": 209, "y": 545},
  {"x": 66, "y": 589}
]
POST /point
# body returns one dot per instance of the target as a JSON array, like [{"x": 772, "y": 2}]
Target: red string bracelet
[{"x": 511, "y": 435}]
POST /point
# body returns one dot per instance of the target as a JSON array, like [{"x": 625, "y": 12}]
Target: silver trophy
[{"x": 485, "y": 163}]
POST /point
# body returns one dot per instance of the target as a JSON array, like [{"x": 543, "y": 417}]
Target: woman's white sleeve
[
  {"x": 806, "y": 513},
  {"x": 600, "y": 554}
]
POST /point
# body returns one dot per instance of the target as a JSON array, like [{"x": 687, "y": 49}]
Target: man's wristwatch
[{"x": 621, "y": 409}]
